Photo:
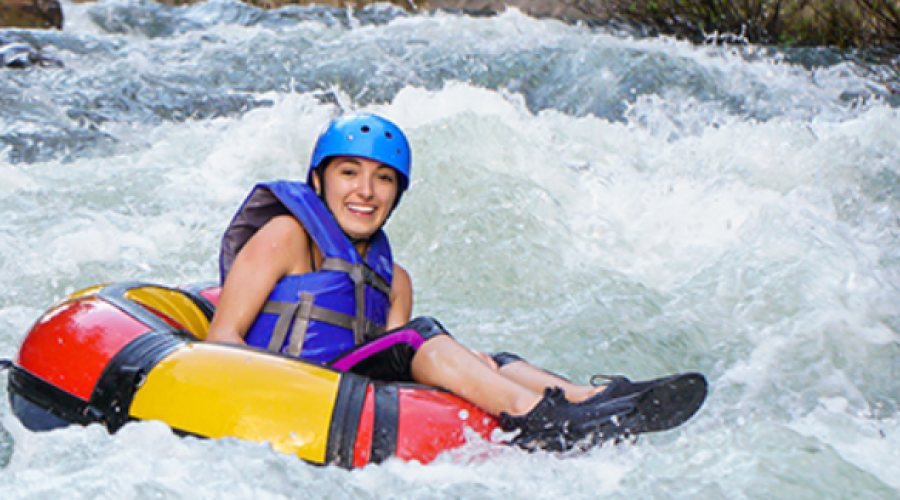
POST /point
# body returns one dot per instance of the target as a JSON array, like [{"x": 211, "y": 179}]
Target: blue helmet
[{"x": 367, "y": 136}]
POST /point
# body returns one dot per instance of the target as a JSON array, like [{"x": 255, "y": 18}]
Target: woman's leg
[
  {"x": 525, "y": 398},
  {"x": 524, "y": 373},
  {"x": 443, "y": 362}
]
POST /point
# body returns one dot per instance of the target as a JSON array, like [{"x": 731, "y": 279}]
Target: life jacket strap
[
  {"x": 298, "y": 314},
  {"x": 361, "y": 275},
  {"x": 359, "y": 284},
  {"x": 304, "y": 311},
  {"x": 369, "y": 276}
]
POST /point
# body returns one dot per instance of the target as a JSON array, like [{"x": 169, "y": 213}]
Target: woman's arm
[
  {"x": 279, "y": 248},
  {"x": 401, "y": 299}
]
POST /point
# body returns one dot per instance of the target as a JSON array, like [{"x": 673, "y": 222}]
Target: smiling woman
[
  {"x": 307, "y": 271},
  {"x": 361, "y": 195}
]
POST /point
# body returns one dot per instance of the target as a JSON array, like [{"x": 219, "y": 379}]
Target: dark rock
[{"x": 31, "y": 14}]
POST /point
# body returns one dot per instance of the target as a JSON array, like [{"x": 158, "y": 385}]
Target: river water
[{"x": 594, "y": 202}]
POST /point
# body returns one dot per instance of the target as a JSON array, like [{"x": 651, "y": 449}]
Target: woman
[{"x": 307, "y": 271}]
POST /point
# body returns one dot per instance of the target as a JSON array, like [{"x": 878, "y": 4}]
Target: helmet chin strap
[{"x": 356, "y": 241}]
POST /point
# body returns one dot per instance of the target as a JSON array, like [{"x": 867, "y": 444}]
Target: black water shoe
[
  {"x": 657, "y": 405},
  {"x": 555, "y": 424},
  {"x": 624, "y": 410}
]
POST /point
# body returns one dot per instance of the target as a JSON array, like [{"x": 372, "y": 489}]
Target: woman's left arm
[{"x": 401, "y": 299}]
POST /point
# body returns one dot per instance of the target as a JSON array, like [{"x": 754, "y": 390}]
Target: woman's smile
[
  {"x": 360, "y": 193},
  {"x": 361, "y": 209}
]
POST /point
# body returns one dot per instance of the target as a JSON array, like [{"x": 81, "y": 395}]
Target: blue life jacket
[{"x": 323, "y": 314}]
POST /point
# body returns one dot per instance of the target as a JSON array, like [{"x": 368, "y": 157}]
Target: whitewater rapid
[{"x": 594, "y": 202}]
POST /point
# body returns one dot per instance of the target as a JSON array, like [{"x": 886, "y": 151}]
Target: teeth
[{"x": 363, "y": 209}]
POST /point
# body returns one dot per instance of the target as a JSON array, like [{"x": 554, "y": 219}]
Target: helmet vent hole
[
  {"x": 388, "y": 135},
  {"x": 365, "y": 129}
]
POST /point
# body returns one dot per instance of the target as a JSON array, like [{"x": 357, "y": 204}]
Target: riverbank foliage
[
  {"x": 868, "y": 31},
  {"x": 833, "y": 23}
]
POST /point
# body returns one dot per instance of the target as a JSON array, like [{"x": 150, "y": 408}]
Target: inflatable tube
[{"x": 116, "y": 353}]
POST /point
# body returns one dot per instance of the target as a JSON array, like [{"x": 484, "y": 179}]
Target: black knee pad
[
  {"x": 427, "y": 327},
  {"x": 394, "y": 363},
  {"x": 504, "y": 358}
]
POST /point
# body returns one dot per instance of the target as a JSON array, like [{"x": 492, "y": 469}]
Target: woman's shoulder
[
  {"x": 281, "y": 243},
  {"x": 282, "y": 228},
  {"x": 286, "y": 222}
]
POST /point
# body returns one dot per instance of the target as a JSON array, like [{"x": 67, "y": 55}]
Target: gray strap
[
  {"x": 301, "y": 323},
  {"x": 361, "y": 275},
  {"x": 359, "y": 283},
  {"x": 357, "y": 275},
  {"x": 371, "y": 277},
  {"x": 321, "y": 314},
  {"x": 280, "y": 331},
  {"x": 288, "y": 312},
  {"x": 332, "y": 317},
  {"x": 336, "y": 318}
]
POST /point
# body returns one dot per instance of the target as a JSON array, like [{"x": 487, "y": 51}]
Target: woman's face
[{"x": 360, "y": 193}]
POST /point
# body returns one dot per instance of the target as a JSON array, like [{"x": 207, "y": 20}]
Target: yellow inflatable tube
[
  {"x": 217, "y": 391},
  {"x": 115, "y": 353}
]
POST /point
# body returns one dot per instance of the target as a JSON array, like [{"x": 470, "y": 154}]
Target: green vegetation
[{"x": 866, "y": 32}]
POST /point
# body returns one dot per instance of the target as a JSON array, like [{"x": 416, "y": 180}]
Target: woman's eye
[{"x": 387, "y": 178}]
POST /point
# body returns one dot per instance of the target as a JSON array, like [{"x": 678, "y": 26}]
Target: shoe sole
[{"x": 667, "y": 404}]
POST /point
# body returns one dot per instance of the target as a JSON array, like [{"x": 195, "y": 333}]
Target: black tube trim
[
  {"x": 114, "y": 391},
  {"x": 387, "y": 420},
  {"x": 50, "y": 398},
  {"x": 348, "y": 406},
  {"x": 115, "y": 295},
  {"x": 193, "y": 293},
  {"x": 120, "y": 380}
]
